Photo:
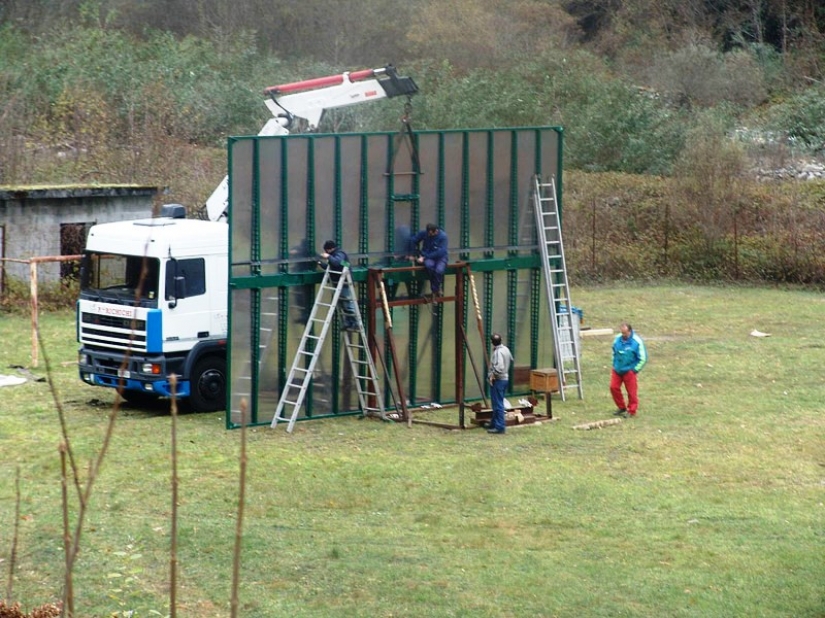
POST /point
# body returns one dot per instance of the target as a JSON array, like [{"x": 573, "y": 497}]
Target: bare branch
[
  {"x": 236, "y": 562},
  {"x": 173, "y": 559},
  {"x": 61, "y": 414},
  {"x": 68, "y": 589},
  {"x": 15, "y": 536}
]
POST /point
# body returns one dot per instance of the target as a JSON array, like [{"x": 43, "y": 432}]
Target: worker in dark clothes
[
  {"x": 433, "y": 255},
  {"x": 337, "y": 259}
]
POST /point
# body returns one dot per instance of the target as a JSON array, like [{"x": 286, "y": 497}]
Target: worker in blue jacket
[
  {"x": 337, "y": 260},
  {"x": 629, "y": 356},
  {"x": 433, "y": 255}
]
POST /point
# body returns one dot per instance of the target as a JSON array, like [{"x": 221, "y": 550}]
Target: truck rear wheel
[{"x": 208, "y": 385}]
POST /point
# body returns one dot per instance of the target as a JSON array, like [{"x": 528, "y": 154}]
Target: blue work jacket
[
  {"x": 432, "y": 247},
  {"x": 629, "y": 354}
]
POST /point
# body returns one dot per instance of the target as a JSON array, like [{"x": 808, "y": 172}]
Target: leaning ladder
[
  {"x": 309, "y": 350},
  {"x": 565, "y": 337}
]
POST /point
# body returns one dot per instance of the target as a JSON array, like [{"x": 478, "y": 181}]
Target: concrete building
[{"x": 54, "y": 220}]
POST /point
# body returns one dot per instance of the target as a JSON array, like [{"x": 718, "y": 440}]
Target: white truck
[{"x": 153, "y": 297}]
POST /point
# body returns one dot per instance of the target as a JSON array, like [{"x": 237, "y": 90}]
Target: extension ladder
[
  {"x": 309, "y": 350},
  {"x": 557, "y": 290}
]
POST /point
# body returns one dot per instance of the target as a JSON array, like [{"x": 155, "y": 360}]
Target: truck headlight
[
  {"x": 82, "y": 359},
  {"x": 151, "y": 368}
]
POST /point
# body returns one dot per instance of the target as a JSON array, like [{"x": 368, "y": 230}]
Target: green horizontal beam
[{"x": 359, "y": 274}]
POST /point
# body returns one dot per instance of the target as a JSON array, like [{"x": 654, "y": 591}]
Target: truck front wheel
[{"x": 208, "y": 385}]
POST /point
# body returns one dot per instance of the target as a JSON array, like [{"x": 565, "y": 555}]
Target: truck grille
[{"x": 112, "y": 332}]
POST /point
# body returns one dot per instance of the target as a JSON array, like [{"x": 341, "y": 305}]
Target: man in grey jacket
[{"x": 499, "y": 378}]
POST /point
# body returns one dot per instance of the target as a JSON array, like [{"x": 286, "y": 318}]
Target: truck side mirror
[
  {"x": 180, "y": 291},
  {"x": 84, "y": 271},
  {"x": 175, "y": 284}
]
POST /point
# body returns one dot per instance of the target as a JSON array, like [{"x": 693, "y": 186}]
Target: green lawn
[{"x": 710, "y": 503}]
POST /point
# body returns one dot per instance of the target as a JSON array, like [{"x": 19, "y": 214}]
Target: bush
[
  {"x": 16, "y": 296},
  {"x": 618, "y": 226},
  {"x": 802, "y": 119},
  {"x": 697, "y": 75},
  {"x": 624, "y": 129}
]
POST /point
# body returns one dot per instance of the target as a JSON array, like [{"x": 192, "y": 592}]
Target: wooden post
[{"x": 33, "y": 302}]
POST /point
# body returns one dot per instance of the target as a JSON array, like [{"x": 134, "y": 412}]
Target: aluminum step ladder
[
  {"x": 309, "y": 350},
  {"x": 565, "y": 334}
]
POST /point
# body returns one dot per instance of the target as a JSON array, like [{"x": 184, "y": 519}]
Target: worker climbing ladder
[
  {"x": 309, "y": 350},
  {"x": 565, "y": 339}
]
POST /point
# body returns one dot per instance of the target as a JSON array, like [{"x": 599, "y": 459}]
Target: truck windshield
[{"x": 121, "y": 279}]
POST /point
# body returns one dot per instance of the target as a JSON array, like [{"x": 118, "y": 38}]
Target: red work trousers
[{"x": 632, "y": 387}]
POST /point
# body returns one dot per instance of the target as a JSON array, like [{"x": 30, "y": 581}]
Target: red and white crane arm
[{"x": 309, "y": 99}]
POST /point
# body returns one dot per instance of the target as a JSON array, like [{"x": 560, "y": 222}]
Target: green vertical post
[
  {"x": 513, "y": 241},
  {"x": 389, "y": 228},
  {"x": 338, "y": 219},
  {"x": 535, "y": 315},
  {"x": 309, "y": 208},
  {"x": 389, "y": 247},
  {"x": 512, "y": 224},
  {"x": 231, "y": 314},
  {"x": 337, "y": 195},
  {"x": 283, "y": 301},
  {"x": 438, "y": 308},
  {"x": 559, "y": 167},
  {"x": 415, "y": 317},
  {"x": 364, "y": 201},
  {"x": 489, "y": 202},
  {"x": 465, "y": 195},
  {"x": 512, "y": 306},
  {"x": 536, "y": 294},
  {"x": 489, "y": 241},
  {"x": 255, "y": 293}
]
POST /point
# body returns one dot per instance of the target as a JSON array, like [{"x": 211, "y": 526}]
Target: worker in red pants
[{"x": 629, "y": 356}]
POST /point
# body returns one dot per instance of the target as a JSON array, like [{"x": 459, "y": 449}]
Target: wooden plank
[
  {"x": 596, "y": 332},
  {"x": 599, "y": 424}
]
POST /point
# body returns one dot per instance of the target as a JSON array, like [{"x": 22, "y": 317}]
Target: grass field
[{"x": 710, "y": 503}]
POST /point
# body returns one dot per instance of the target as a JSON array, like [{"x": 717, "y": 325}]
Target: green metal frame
[{"x": 347, "y": 187}]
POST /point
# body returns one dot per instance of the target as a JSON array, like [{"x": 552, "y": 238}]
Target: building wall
[{"x": 32, "y": 218}]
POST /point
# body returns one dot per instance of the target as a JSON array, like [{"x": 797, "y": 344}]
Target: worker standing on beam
[{"x": 433, "y": 255}]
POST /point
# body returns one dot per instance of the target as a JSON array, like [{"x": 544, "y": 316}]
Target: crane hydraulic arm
[{"x": 308, "y": 99}]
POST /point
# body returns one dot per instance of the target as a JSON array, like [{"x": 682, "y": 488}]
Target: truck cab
[{"x": 153, "y": 304}]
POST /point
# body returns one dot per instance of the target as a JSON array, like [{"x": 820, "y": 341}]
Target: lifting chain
[{"x": 405, "y": 134}]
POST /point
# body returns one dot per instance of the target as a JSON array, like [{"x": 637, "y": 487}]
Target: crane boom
[{"x": 309, "y": 99}]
